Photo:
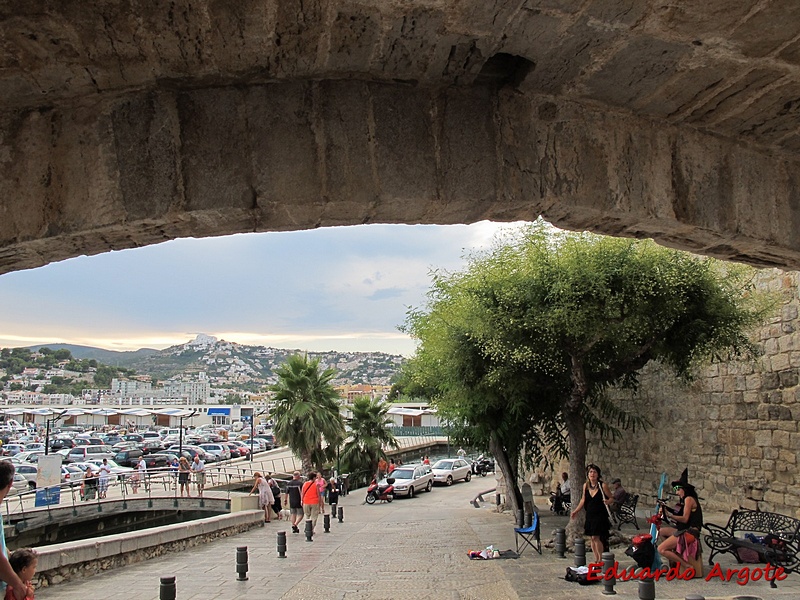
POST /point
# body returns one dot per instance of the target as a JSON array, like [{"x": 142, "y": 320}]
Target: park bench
[
  {"x": 785, "y": 552},
  {"x": 627, "y": 512}
]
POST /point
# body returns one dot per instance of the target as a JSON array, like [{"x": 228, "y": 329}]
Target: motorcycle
[
  {"x": 383, "y": 493},
  {"x": 481, "y": 466}
]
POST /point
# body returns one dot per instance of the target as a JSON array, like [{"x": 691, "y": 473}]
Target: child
[{"x": 23, "y": 561}]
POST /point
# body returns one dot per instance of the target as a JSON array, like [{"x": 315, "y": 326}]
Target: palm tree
[
  {"x": 370, "y": 433},
  {"x": 307, "y": 411}
]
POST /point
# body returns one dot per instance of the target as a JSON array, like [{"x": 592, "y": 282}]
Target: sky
[{"x": 340, "y": 288}]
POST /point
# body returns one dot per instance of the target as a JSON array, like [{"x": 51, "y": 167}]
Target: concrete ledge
[{"x": 63, "y": 562}]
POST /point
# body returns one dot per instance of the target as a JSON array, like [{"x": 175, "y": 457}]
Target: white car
[
  {"x": 448, "y": 470},
  {"x": 29, "y": 456},
  {"x": 218, "y": 451},
  {"x": 411, "y": 479}
]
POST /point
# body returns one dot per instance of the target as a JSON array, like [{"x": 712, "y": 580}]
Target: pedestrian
[
  {"x": 265, "y": 497},
  {"x": 105, "y": 472},
  {"x": 174, "y": 467},
  {"x": 596, "y": 498},
  {"x": 183, "y": 476},
  {"x": 89, "y": 486},
  {"x": 199, "y": 470},
  {"x": 10, "y": 580},
  {"x": 294, "y": 499},
  {"x": 141, "y": 468},
  {"x": 461, "y": 453},
  {"x": 392, "y": 466},
  {"x": 426, "y": 461},
  {"x": 333, "y": 495},
  {"x": 322, "y": 486},
  {"x": 312, "y": 500},
  {"x": 382, "y": 467},
  {"x": 276, "y": 495},
  {"x": 23, "y": 561}
]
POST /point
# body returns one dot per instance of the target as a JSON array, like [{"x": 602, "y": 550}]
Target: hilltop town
[{"x": 203, "y": 370}]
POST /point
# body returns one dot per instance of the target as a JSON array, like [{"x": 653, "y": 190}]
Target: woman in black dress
[{"x": 595, "y": 499}]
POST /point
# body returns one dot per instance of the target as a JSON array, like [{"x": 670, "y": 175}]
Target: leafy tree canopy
[{"x": 523, "y": 344}]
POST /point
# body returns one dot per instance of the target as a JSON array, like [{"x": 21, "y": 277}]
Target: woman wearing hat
[
  {"x": 682, "y": 543},
  {"x": 596, "y": 498}
]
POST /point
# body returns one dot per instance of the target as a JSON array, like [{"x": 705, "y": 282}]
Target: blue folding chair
[{"x": 530, "y": 536}]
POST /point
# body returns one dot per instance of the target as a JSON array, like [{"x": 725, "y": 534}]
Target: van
[{"x": 84, "y": 453}]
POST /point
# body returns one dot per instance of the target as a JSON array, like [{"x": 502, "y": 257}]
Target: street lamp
[
  {"x": 180, "y": 431},
  {"x": 253, "y": 429},
  {"x": 48, "y": 422}
]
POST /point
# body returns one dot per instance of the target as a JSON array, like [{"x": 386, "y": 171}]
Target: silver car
[
  {"x": 411, "y": 479},
  {"x": 448, "y": 470}
]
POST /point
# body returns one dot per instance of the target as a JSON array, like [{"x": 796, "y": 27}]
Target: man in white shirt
[
  {"x": 199, "y": 470},
  {"x": 141, "y": 467}
]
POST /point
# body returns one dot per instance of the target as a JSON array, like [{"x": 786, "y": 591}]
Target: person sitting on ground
[
  {"x": 681, "y": 543},
  {"x": 619, "y": 494},
  {"x": 23, "y": 561}
]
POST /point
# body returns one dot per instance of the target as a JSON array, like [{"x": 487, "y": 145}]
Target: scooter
[
  {"x": 382, "y": 493},
  {"x": 481, "y": 466}
]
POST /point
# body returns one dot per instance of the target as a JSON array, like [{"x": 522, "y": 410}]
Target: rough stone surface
[
  {"x": 735, "y": 427},
  {"x": 123, "y": 125}
]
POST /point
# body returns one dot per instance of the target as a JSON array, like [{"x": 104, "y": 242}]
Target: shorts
[
  {"x": 183, "y": 478},
  {"x": 200, "y": 478},
  {"x": 311, "y": 512}
]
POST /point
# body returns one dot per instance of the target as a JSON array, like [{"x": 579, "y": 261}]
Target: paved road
[{"x": 410, "y": 549}]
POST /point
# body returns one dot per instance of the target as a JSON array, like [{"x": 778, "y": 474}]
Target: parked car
[
  {"x": 61, "y": 442},
  {"x": 82, "y": 453},
  {"x": 34, "y": 446},
  {"x": 268, "y": 438},
  {"x": 30, "y": 472},
  {"x": 411, "y": 479},
  {"x": 13, "y": 449},
  {"x": 151, "y": 445},
  {"x": 189, "y": 452},
  {"x": 20, "y": 485},
  {"x": 116, "y": 469},
  {"x": 129, "y": 457},
  {"x": 133, "y": 437},
  {"x": 244, "y": 449},
  {"x": 28, "y": 456},
  {"x": 87, "y": 440},
  {"x": 451, "y": 469},
  {"x": 125, "y": 445},
  {"x": 218, "y": 451}
]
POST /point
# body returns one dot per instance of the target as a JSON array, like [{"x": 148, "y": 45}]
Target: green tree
[
  {"x": 545, "y": 323},
  {"x": 306, "y": 412},
  {"x": 370, "y": 433}
]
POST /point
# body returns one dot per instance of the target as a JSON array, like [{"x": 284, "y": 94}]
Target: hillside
[{"x": 228, "y": 363}]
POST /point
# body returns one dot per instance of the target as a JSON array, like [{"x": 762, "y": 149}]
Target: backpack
[
  {"x": 642, "y": 550},
  {"x": 580, "y": 576}
]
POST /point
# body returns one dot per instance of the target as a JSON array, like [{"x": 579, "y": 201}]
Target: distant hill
[
  {"x": 228, "y": 362},
  {"x": 107, "y": 357}
]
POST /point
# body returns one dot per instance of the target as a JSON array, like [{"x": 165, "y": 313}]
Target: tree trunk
[
  {"x": 576, "y": 433},
  {"x": 509, "y": 473}
]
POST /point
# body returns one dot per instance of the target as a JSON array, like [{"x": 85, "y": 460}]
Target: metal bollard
[
  {"x": 167, "y": 589},
  {"x": 561, "y": 542},
  {"x": 281, "y": 544},
  {"x": 341, "y": 515},
  {"x": 241, "y": 563},
  {"x": 608, "y": 566},
  {"x": 580, "y": 552},
  {"x": 309, "y": 531},
  {"x": 326, "y": 523},
  {"x": 647, "y": 589},
  {"x": 528, "y": 519}
]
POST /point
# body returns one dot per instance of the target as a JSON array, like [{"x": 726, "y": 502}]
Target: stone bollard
[
  {"x": 281, "y": 544},
  {"x": 608, "y": 582},
  {"x": 309, "y": 531},
  {"x": 561, "y": 542},
  {"x": 326, "y": 523},
  {"x": 341, "y": 515},
  {"x": 241, "y": 563},
  {"x": 167, "y": 589},
  {"x": 580, "y": 552},
  {"x": 647, "y": 589}
]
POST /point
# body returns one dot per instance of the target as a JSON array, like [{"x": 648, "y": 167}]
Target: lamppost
[
  {"x": 253, "y": 429},
  {"x": 180, "y": 432},
  {"x": 47, "y": 423}
]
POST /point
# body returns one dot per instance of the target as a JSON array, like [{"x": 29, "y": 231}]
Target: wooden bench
[
  {"x": 728, "y": 539},
  {"x": 627, "y": 512}
]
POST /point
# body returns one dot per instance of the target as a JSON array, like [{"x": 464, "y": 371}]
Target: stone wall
[{"x": 735, "y": 427}]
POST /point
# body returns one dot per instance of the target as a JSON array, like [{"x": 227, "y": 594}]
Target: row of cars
[{"x": 413, "y": 478}]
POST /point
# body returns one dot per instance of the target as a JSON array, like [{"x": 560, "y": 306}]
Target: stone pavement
[{"x": 410, "y": 549}]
